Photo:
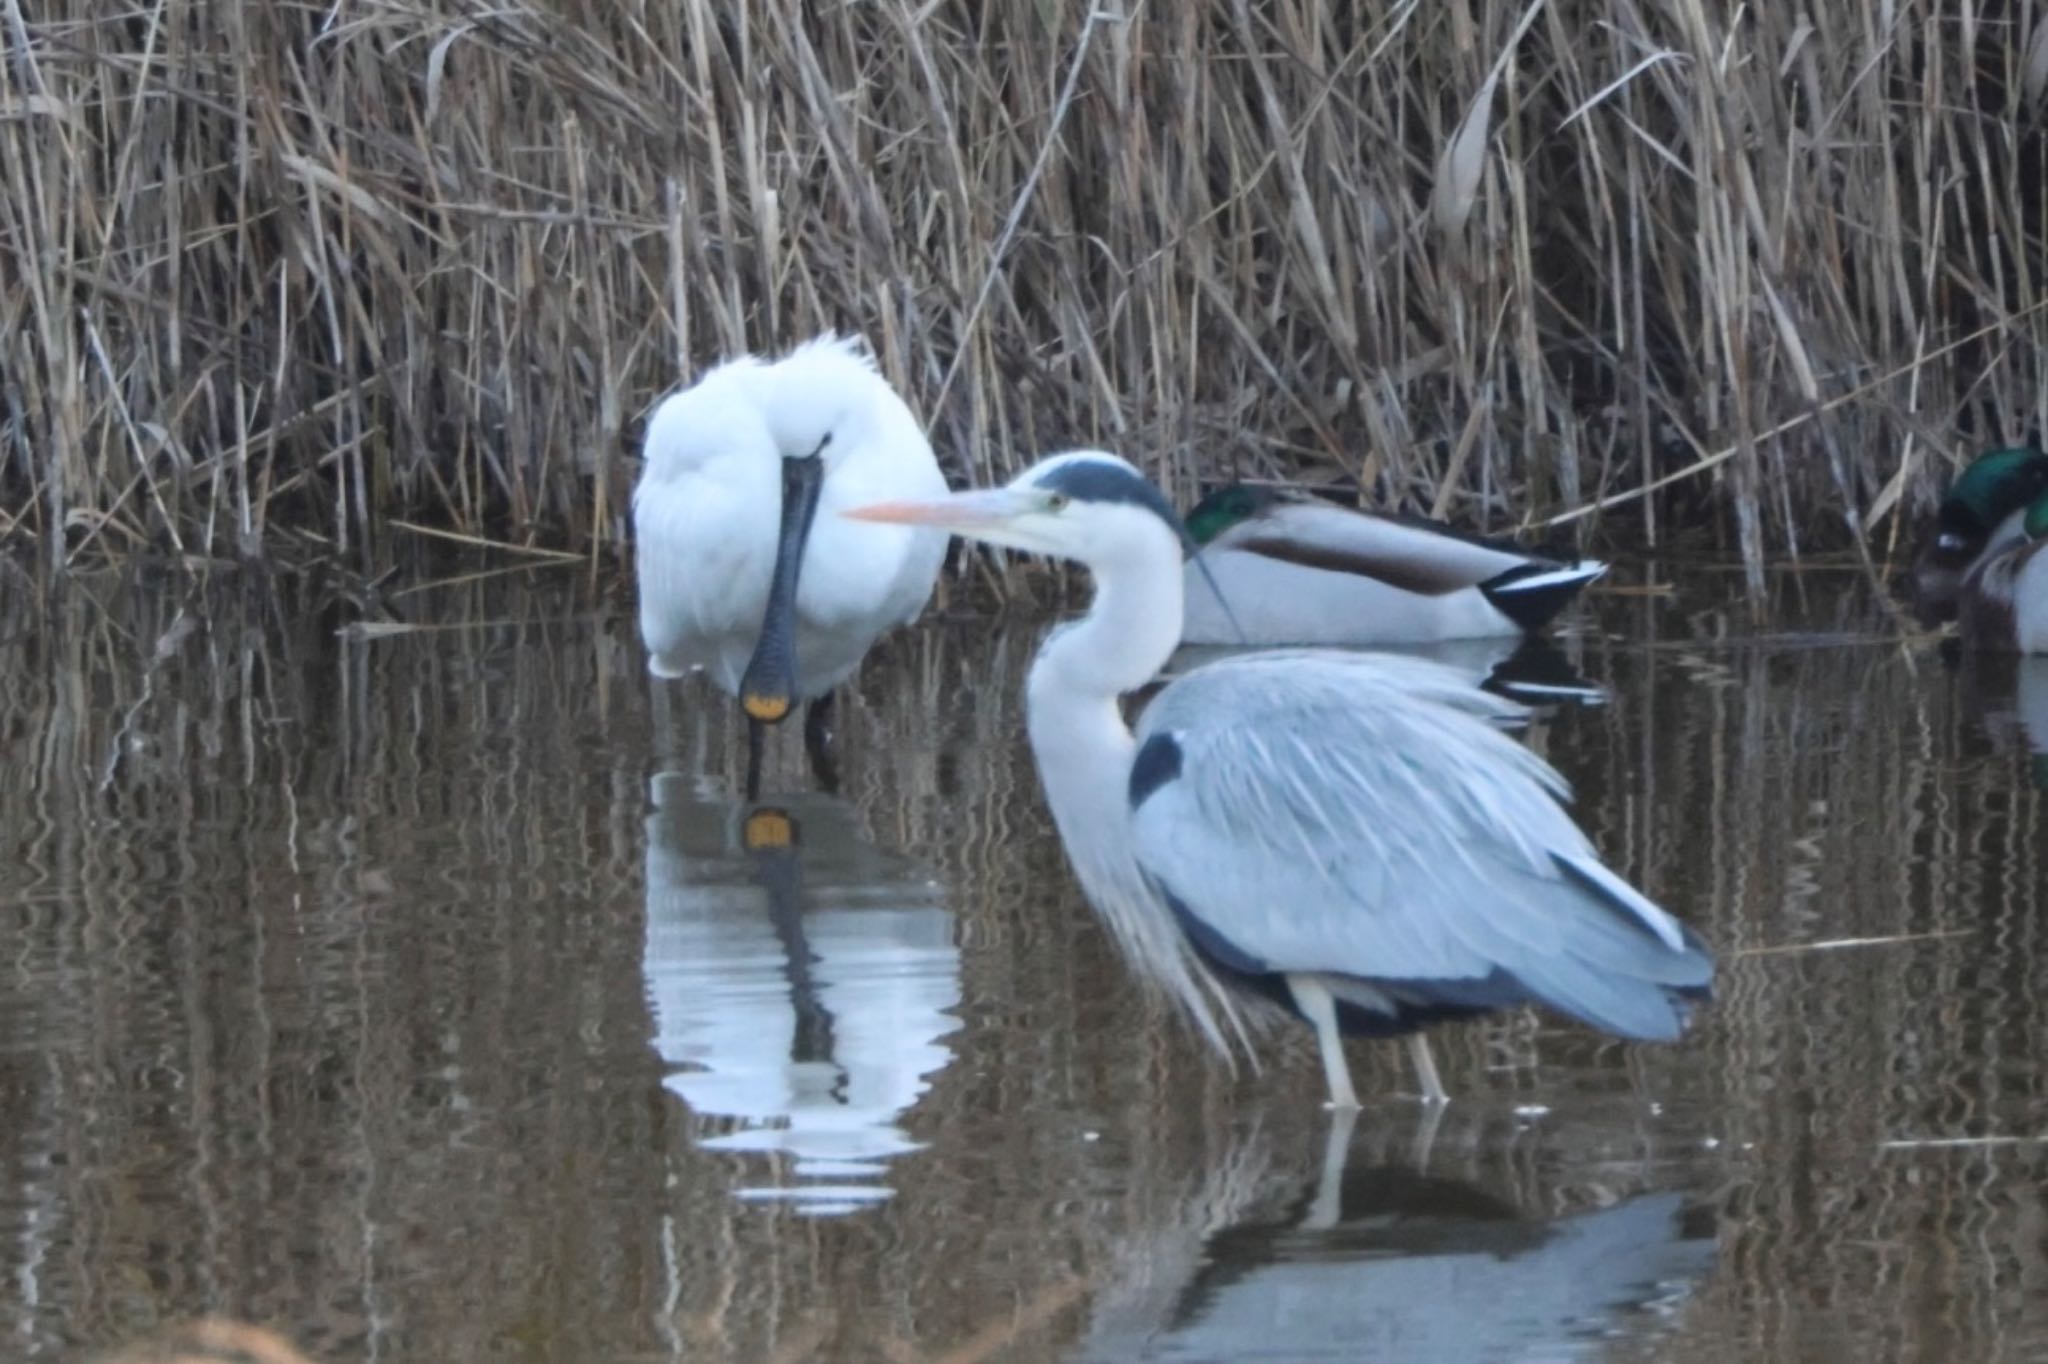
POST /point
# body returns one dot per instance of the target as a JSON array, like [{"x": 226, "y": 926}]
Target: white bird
[
  {"x": 1349, "y": 836},
  {"x": 1298, "y": 569},
  {"x": 739, "y": 575}
]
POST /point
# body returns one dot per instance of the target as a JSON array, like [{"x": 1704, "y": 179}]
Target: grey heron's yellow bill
[{"x": 970, "y": 513}]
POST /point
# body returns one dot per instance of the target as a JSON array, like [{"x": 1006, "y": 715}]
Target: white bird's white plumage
[{"x": 707, "y": 508}]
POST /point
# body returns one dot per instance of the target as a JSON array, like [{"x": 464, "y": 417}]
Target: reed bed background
[{"x": 280, "y": 276}]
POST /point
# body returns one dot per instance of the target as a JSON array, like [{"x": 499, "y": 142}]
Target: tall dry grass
[{"x": 291, "y": 273}]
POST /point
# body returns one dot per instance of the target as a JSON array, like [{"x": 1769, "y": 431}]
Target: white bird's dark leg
[
  {"x": 818, "y": 744},
  {"x": 667, "y": 744},
  {"x": 1320, "y": 1010},
  {"x": 1425, "y": 1070}
]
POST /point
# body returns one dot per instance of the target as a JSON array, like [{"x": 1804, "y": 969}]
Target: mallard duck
[
  {"x": 1984, "y": 513},
  {"x": 1296, "y": 569}
]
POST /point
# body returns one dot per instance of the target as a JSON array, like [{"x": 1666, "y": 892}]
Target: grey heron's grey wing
[{"x": 1361, "y": 815}]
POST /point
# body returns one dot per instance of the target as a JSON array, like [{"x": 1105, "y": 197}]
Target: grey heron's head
[{"x": 1085, "y": 505}]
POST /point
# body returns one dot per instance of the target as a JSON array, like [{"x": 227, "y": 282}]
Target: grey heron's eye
[{"x": 1056, "y": 502}]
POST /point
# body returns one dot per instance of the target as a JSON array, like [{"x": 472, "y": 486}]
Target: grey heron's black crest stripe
[{"x": 1097, "y": 480}]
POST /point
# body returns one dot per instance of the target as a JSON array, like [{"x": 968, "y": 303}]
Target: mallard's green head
[
  {"x": 1998, "y": 485},
  {"x": 1229, "y": 506}
]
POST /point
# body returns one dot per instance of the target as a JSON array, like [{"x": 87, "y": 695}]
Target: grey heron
[
  {"x": 1348, "y": 836},
  {"x": 738, "y": 574},
  {"x": 1299, "y": 569}
]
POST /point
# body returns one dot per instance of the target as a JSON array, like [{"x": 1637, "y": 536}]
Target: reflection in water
[
  {"x": 1385, "y": 1261},
  {"x": 2009, "y": 692},
  {"x": 800, "y": 981},
  {"x": 1532, "y": 669},
  {"x": 325, "y": 966}
]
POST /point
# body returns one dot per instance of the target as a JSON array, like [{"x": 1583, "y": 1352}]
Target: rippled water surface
[{"x": 427, "y": 996}]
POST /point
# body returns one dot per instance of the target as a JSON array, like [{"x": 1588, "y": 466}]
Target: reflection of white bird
[
  {"x": 1348, "y": 836},
  {"x": 739, "y": 575},
  {"x": 1389, "y": 1263},
  {"x": 801, "y": 981}
]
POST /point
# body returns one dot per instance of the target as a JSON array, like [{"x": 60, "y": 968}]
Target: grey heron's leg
[
  {"x": 818, "y": 744},
  {"x": 1328, "y": 1208},
  {"x": 1320, "y": 1010},
  {"x": 1425, "y": 1070},
  {"x": 756, "y": 733}
]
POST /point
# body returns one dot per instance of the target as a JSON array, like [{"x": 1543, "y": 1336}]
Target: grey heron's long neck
[
  {"x": 1078, "y": 734},
  {"x": 1084, "y": 751}
]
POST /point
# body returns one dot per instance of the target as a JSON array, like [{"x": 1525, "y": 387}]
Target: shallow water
[{"x": 426, "y": 997}]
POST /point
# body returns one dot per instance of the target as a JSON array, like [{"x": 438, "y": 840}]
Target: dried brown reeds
[{"x": 277, "y": 273}]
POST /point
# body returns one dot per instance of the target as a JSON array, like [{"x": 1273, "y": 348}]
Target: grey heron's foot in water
[
  {"x": 1316, "y": 1005},
  {"x": 756, "y": 734},
  {"x": 818, "y": 744}
]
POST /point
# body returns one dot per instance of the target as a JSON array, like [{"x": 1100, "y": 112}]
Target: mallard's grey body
[{"x": 1296, "y": 569}]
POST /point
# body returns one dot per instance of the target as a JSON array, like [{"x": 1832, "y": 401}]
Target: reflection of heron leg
[
  {"x": 1321, "y": 1011},
  {"x": 818, "y": 744},
  {"x": 756, "y": 732},
  {"x": 1328, "y": 1207},
  {"x": 1425, "y": 1137},
  {"x": 1425, "y": 1070}
]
